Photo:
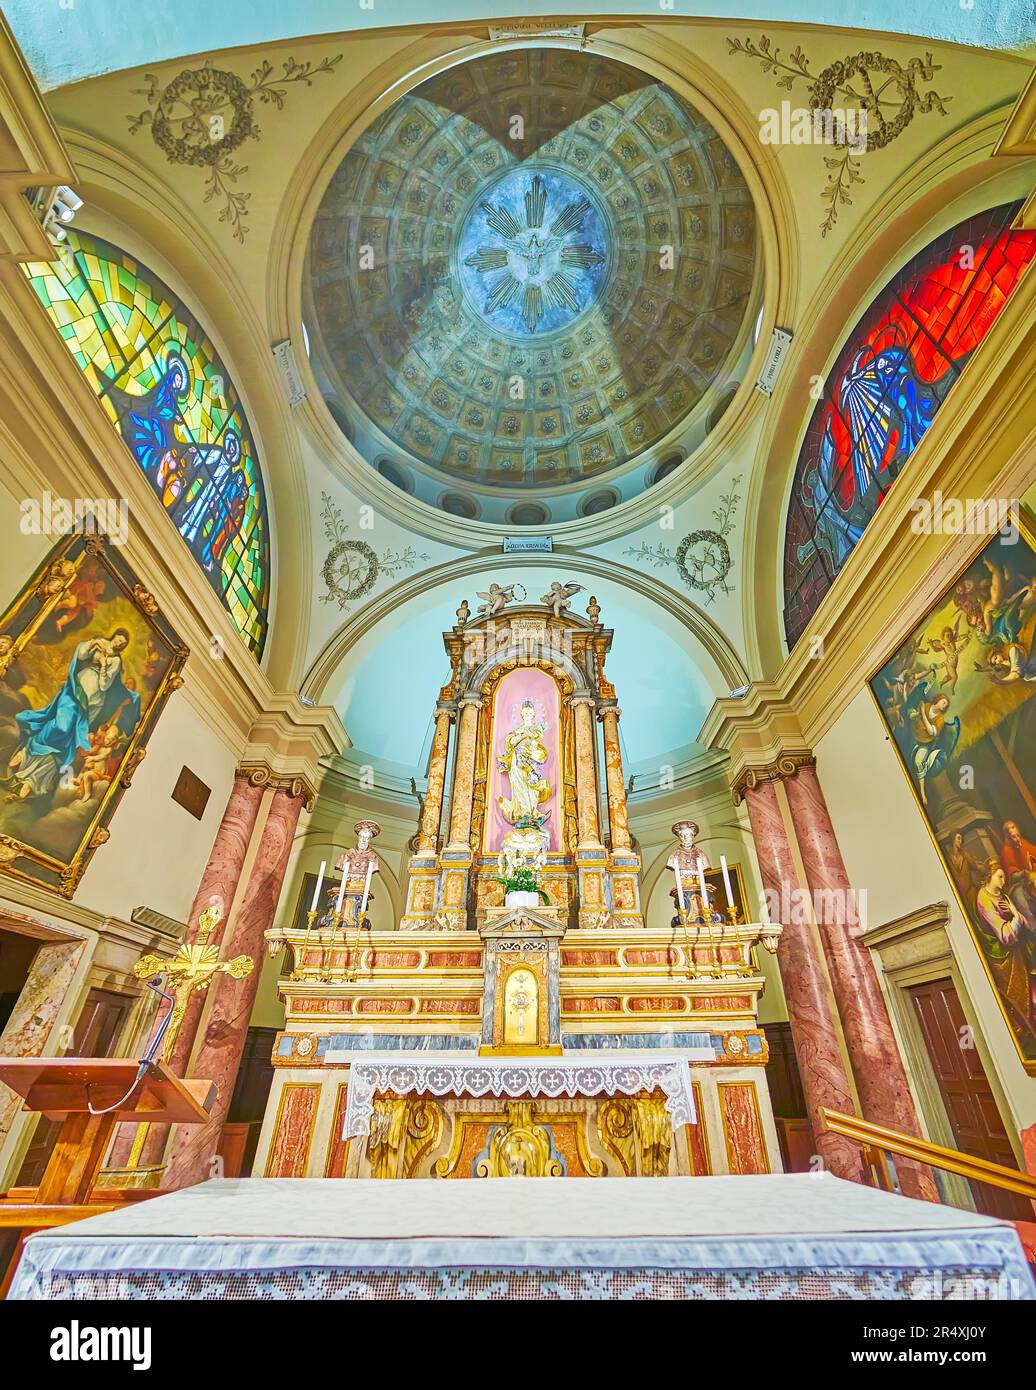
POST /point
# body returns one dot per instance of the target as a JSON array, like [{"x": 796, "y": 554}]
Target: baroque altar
[{"x": 522, "y": 1020}]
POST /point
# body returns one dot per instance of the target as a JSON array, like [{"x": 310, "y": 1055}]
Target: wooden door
[{"x": 972, "y": 1109}]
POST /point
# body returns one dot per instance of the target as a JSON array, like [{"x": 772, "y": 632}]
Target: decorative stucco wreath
[
  {"x": 350, "y": 570},
  {"x": 716, "y": 555}
]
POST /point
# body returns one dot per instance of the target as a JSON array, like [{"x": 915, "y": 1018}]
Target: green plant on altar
[{"x": 523, "y": 880}]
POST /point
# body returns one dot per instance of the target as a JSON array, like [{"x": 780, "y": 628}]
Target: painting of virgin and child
[
  {"x": 86, "y": 662},
  {"x": 958, "y": 700}
]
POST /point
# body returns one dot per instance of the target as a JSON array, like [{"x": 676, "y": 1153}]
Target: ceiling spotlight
[{"x": 69, "y": 203}]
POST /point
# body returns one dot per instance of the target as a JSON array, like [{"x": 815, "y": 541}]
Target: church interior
[{"x": 530, "y": 525}]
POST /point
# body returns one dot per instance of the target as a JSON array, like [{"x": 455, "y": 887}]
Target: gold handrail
[{"x": 952, "y": 1160}]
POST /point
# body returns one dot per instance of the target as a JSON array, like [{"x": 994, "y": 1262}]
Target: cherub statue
[
  {"x": 560, "y": 597},
  {"x": 496, "y": 600}
]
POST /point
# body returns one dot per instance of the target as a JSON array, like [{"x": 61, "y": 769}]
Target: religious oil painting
[
  {"x": 86, "y": 664},
  {"x": 958, "y": 699}
]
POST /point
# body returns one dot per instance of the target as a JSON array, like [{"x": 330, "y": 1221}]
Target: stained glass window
[
  {"x": 165, "y": 389},
  {"x": 889, "y": 380}
]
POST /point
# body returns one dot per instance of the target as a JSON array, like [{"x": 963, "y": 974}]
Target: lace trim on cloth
[{"x": 552, "y": 1077}]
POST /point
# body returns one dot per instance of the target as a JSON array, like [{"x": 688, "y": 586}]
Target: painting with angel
[{"x": 957, "y": 698}]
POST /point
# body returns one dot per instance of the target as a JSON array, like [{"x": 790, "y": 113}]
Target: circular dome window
[
  {"x": 395, "y": 475},
  {"x": 663, "y": 469},
  {"x": 528, "y": 514},
  {"x": 459, "y": 504},
  {"x": 597, "y": 502}
]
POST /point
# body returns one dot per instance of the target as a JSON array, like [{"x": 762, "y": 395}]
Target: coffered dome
[{"x": 525, "y": 275}]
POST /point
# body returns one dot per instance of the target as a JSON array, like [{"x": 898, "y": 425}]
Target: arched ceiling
[
  {"x": 528, "y": 272},
  {"x": 68, "y": 43},
  {"x": 665, "y": 688}
]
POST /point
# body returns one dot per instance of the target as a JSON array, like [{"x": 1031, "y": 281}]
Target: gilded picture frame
[
  {"x": 957, "y": 697},
  {"x": 87, "y": 662}
]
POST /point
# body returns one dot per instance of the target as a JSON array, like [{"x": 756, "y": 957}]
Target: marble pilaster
[
  {"x": 873, "y": 1052},
  {"x": 219, "y": 1054},
  {"x": 823, "y": 1074},
  {"x": 464, "y": 774},
  {"x": 427, "y": 843},
  {"x": 586, "y": 787},
  {"x": 618, "y": 814}
]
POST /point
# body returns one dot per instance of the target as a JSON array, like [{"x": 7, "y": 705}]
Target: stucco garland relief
[
  {"x": 702, "y": 559},
  {"x": 351, "y": 568},
  {"x": 882, "y": 89},
  {"x": 204, "y": 115}
]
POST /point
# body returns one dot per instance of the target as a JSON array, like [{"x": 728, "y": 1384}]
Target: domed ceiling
[{"x": 525, "y": 275}]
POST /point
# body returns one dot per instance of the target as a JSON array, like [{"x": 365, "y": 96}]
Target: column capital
[
  {"x": 295, "y": 784},
  {"x": 785, "y": 766},
  {"x": 761, "y": 732},
  {"x": 477, "y": 700},
  {"x": 576, "y": 700},
  {"x": 602, "y": 710}
]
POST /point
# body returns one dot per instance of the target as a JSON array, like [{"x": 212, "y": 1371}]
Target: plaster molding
[
  {"x": 703, "y": 629},
  {"x": 31, "y": 153},
  {"x": 920, "y": 920}
]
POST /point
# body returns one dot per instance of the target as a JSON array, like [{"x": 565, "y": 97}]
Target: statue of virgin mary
[{"x": 523, "y": 755}]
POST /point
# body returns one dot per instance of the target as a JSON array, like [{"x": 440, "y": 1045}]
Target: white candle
[
  {"x": 341, "y": 888},
  {"x": 316, "y": 890},
  {"x": 704, "y": 888},
  {"x": 679, "y": 886},
  {"x": 366, "y": 886},
  {"x": 726, "y": 881}
]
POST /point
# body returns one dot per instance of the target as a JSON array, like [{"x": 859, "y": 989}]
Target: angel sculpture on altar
[
  {"x": 522, "y": 757},
  {"x": 689, "y": 863}
]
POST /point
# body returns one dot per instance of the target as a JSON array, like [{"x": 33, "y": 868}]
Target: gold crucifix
[{"x": 192, "y": 968}]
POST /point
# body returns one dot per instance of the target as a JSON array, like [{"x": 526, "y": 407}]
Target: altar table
[
  {"x": 461, "y": 1074},
  {"x": 790, "y": 1236}
]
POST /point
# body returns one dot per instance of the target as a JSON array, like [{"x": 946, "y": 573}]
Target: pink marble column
[
  {"x": 218, "y": 885},
  {"x": 219, "y": 1056},
  {"x": 824, "y": 1078},
  {"x": 881, "y": 1078}
]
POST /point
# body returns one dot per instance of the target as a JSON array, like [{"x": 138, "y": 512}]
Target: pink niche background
[{"x": 526, "y": 683}]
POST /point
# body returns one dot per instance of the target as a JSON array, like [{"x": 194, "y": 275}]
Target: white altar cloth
[
  {"x": 792, "y": 1236},
  {"x": 459, "y": 1073}
]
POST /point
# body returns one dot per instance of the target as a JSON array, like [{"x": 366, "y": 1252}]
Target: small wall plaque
[{"x": 191, "y": 793}]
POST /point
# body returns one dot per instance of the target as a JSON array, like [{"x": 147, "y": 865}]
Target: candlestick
[
  {"x": 726, "y": 882},
  {"x": 341, "y": 887},
  {"x": 704, "y": 889},
  {"x": 366, "y": 887},
  {"x": 679, "y": 886},
  {"x": 316, "y": 891}
]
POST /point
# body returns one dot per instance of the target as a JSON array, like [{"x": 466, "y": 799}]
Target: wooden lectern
[{"x": 73, "y": 1089}]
